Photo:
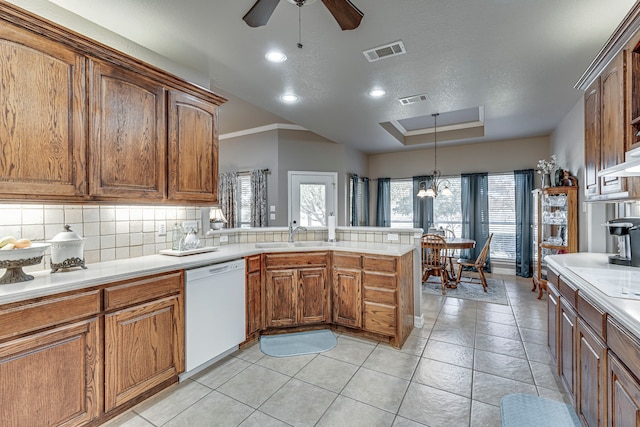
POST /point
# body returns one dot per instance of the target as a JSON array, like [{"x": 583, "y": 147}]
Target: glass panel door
[{"x": 312, "y": 197}]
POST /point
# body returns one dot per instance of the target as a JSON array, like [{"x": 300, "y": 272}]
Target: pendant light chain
[{"x": 300, "y": 3}]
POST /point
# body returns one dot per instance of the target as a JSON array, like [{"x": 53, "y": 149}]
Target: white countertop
[
  {"x": 46, "y": 283},
  {"x": 615, "y": 288}
]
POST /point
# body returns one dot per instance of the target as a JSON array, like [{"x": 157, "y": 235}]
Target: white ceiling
[{"x": 517, "y": 58}]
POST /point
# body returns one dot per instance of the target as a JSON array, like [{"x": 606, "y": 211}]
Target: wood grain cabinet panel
[
  {"x": 144, "y": 347},
  {"x": 624, "y": 395},
  {"x": 42, "y": 120},
  {"x": 553, "y": 315},
  {"x": 282, "y": 297},
  {"x": 567, "y": 347},
  {"x": 128, "y": 134},
  {"x": 255, "y": 298},
  {"x": 347, "y": 297},
  {"x": 193, "y": 149},
  {"x": 313, "y": 294},
  {"x": 592, "y": 136},
  {"x": 591, "y": 371},
  {"x": 52, "y": 378}
]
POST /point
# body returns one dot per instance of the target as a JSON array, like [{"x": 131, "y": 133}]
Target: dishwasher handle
[{"x": 219, "y": 270}]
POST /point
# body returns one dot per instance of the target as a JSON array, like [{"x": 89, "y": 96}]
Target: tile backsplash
[{"x": 121, "y": 232}]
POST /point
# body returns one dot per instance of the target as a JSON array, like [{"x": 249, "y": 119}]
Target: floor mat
[
  {"x": 297, "y": 343},
  {"x": 525, "y": 410},
  {"x": 496, "y": 291}
]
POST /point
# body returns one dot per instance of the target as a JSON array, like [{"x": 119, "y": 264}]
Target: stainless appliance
[{"x": 628, "y": 232}]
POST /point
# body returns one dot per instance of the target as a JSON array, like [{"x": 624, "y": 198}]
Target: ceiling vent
[
  {"x": 385, "y": 51},
  {"x": 413, "y": 99}
]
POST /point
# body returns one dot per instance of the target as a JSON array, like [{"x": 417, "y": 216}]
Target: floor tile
[
  {"x": 500, "y": 345},
  {"x": 558, "y": 395},
  {"x": 505, "y": 366},
  {"x": 348, "y": 412},
  {"x": 327, "y": 373},
  {"x": 498, "y": 308},
  {"x": 545, "y": 376},
  {"x": 415, "y": 344},
  {"x": 298, "y": 403},
  {"x": 251, "y": 354},
  {"x": 377, "y": 389},
  {"x": 534, "y": 336},
  {"x": 229, "y": 412},
  {"x": 458, "y": 311},
  {"x": 286, "y": 365},
  {"x": 170, "y": 402},
  {"x": 498, "y": 330},
  {"x": 425, "y": 405},
  {"x": 444, "y": 376},
  {"x": 350, "y": 350},
  {"x": 260, "y": 419},
  {"x": 538, "y": 353},
  {"x": 494, "y": 317},
  {"x": 405, "y": 422},
  {"x": 221, "y": 372},
  {"x": 128, "y": 419},
  {"x": 449, "y": 353},
  {"x": 392, "y": 362},
  {"x": 254, "y": 385},
  {"x": 453, "y": 335},
  {"x": 488, "y": 388},
  {"x": 452, "y": 321},
  {"x": 484, "y": 415}
]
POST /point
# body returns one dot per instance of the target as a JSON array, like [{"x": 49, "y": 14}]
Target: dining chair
[
  {"x": 434, "y": 250},
  {"x": 451, "y": 253},
  {"x": 479, "y": 263}
]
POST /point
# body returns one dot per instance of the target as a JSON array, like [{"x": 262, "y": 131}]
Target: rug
[
  {"x": 496, "y": 291},
  {"x": 297, "y": 343},
  {"x": 525, "y": 410}
]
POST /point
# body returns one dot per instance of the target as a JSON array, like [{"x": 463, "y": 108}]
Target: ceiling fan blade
[
  {"x": 347, "y": 15},
  {"x": 260, "y": 13}
]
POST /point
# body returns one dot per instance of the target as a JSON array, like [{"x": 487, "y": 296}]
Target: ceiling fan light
[{"x": 275, "y": 56}]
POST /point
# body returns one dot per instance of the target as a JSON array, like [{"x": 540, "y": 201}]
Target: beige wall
[{"x": 497, "y": 156}]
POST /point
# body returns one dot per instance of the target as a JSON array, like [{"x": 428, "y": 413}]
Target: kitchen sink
[{"x": 302, "y": 244}]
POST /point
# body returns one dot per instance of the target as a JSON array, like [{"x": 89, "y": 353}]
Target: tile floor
[{"x": 453, "y": 372}]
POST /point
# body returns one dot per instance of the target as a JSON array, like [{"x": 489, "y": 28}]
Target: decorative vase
[{"x": 546, "y": 180}]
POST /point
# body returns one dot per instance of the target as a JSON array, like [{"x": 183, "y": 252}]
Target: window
[
  {"x": 244, "y": 200},
  {"x": 502, "y": 216},
  {"x": 312, "y": 197},
  {"x": 447, "y": 210},
  {"x": 402, "y": 203}
]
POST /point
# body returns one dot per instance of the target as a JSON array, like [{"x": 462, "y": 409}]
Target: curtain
[
  {"x": 524, "y": 182},
  {"x": 422, "y": 206},
  {"x": 227, "y": 189},
  {"x": 355, "y": 220},
  {"x": 259, "y": 198},
  {"x": 475, "y": 213},
  {"x": 383, "y": 209},
  {"x": 365, "y": 202}
]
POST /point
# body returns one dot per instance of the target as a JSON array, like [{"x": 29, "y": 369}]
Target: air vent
[
  {"x": 385, "y": 51},
  {"x": 413, "y": 99}
]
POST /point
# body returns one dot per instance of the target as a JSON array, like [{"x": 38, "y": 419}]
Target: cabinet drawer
[
  {"x": 295, "y": 259},
  {"x": 253, "y": 263},
  {"x": 591, "y": 314},
  {"x": 380, "y": 318},
  {"x": 568, "y": 292},
  {"x": 383, "y": 296},
  {"x": 552, "y": 277},
  {"x": 42, "y": 314},
  {"x": 624, "y": 344},
  {"x": 144, "y": 289},
  {"x": 347, "y": 260},
  {"x": 379, "y": 263},
  {"x": 379, "y": 280}
]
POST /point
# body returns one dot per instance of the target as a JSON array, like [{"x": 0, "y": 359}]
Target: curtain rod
[{"x": 267, "y": 171}]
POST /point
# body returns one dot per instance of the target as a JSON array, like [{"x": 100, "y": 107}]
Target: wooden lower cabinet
[
  {"x": 553, "y": 314},
  {"x": 591, "y": 369},
  {"x": 623, "y": 394},
  {"x": 255, "y": 296},
  {"x": 347, "y": 297},
  {"x": 282, "y": 297},
  {"x": 567, "y": 347},
  {"x": 143, "y": 348},
  {"x": 52, "y": 378}
]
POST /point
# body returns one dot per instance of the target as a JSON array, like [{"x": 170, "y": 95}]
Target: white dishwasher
[{"x": 215, "y": 313}]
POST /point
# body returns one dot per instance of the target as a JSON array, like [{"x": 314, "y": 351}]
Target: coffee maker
[{"x": 628, "y": 232}]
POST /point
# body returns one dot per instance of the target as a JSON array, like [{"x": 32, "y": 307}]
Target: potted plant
[
  {"x": 545, "y": 168},
  {"x": 216, "y": 218}
]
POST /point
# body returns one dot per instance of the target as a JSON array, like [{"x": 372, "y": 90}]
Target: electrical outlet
[
  {"x": 162, "y": 229},
  {"x": 224, "y": 238}
]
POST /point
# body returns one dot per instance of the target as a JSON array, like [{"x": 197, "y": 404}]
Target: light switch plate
[
  {"x": 224, "y": 238},
  {"x": 162, "y": 229},
  {"x": 272, "y": 208},
  {"x": 272, "y": 216}
]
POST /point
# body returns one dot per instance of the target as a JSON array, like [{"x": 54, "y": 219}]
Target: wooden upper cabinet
[
  {"x": 42, "y": 121},
  {"x": 128, "y": 134},
  {"x": 193, "y": 149},
  {"x": 592, "y": 139},
  {"x": 613, "y": 142}
]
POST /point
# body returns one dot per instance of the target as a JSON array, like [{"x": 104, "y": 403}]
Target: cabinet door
[
  {"x": 613, "y": 122},
  {"x": 347, "y": 297},
  {"x": 128, "y": 134},
  {"x": 52, "y": 377},
  {"x": 591, "y": 392},
  {"x": 193, "y": 149},
  {"x": 144, "y": 346},
  {"x": 624, "y": 395},
  {"x": 592, "y": 137},
  {"x": 281, "y": 290},
  {"x": 567, "y": 345},
  {"x": 313, "y": 303},
  {"x": 553, "y": 309},
  {"x": 42, "y": 121},
  {"x": 254, "y": 296}
]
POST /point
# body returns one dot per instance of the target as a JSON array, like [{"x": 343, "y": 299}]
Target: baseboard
[
  {"x": 418, "y": 321},
  {"x": 183, "y": 376}
]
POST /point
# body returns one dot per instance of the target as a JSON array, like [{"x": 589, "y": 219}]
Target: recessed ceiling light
[
  {"x": 289, "y": 97},
  {"x": 275, "y": 56},
  {"x": 376, "y": 93}
]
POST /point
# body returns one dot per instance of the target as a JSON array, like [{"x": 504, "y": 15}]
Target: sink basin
[{"x": 302, "y": 244}]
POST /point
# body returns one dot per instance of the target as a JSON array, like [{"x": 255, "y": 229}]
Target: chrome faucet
[{"x": 292, "y": 231}]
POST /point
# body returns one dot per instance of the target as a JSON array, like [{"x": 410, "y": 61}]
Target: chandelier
[{"x": 436, "y": 182}]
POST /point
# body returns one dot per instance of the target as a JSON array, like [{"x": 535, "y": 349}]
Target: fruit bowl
[{"x": 14, "y": 259}]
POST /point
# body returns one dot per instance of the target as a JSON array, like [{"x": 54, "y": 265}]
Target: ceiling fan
[{"x": 347, "y": 15}]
